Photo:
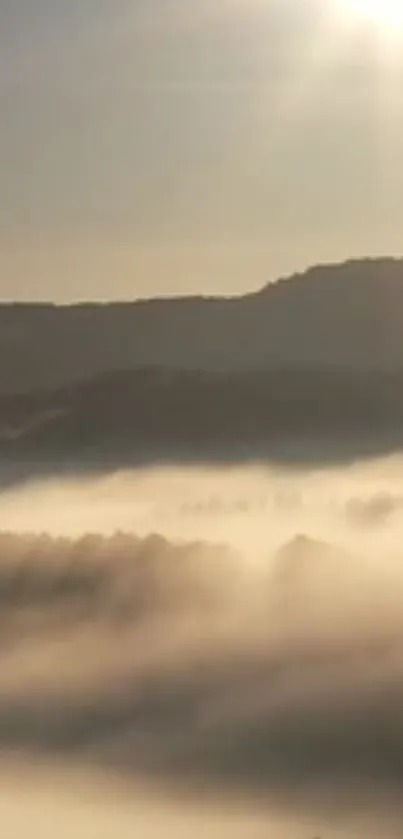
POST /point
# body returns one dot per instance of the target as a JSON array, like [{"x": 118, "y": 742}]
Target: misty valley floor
[{"x": 204, "y": 646}]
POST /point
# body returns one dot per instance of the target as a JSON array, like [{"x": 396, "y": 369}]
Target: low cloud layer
[{"x": 273, "y": 671}]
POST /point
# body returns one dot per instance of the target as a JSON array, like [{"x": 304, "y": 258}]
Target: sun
[{"x": 384, "y": 13}]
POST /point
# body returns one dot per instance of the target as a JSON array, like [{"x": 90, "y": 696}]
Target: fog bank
[{"x": 214, "y": 634}]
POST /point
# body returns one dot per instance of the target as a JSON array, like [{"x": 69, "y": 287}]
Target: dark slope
[
  {"x": 346, "y": 317},
  {"x": 149, "y": 415}
]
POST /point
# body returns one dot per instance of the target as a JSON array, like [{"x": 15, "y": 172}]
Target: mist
[{"x": 220, "y": 648}]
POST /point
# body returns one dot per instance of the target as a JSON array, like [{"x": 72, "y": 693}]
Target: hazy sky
[{"x": 163, "y": 146}]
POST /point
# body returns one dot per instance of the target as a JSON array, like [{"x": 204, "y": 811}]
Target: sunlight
[{"x": 384, "y": 13}]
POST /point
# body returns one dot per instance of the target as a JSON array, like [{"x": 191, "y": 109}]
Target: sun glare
[{"x": 387, "y": 13}]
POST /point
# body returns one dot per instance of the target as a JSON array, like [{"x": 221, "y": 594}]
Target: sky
[{"x": 159, "y": 147}]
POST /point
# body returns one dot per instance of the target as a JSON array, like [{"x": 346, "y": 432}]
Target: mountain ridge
[{"x": 346, "y": 316}]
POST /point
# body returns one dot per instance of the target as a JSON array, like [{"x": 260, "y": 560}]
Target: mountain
[
  {"x": 346, "y": 317},
  {"x": 149, "y": 415}
]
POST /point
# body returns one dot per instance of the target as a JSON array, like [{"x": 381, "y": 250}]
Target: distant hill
[{"x": 346, "y": 317}]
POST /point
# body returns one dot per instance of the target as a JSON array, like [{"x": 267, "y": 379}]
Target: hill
[
  {"x": 118, "y": 419},
  {"x": 345, "y": 317}
]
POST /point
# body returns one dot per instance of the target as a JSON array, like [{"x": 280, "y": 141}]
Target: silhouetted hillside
[
  {"x": 345, "y": 317},
  {"x": 127, "y": 414}
]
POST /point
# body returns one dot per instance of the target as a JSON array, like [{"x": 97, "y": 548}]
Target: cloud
[{"x": 186, "y": 664}]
